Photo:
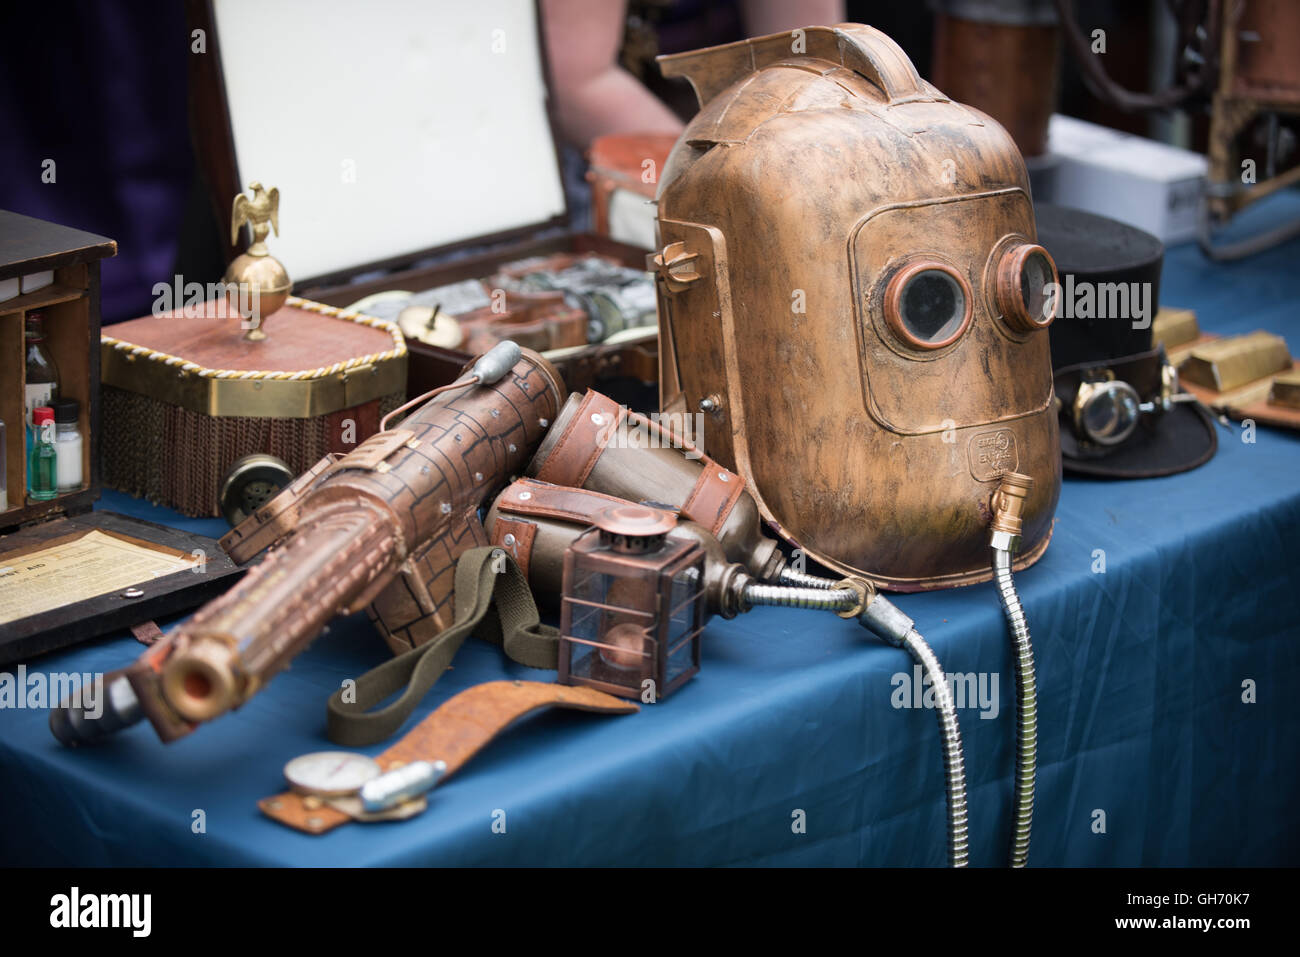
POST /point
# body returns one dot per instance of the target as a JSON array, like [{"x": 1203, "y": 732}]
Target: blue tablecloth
[{"x": 1153, "y": 748}]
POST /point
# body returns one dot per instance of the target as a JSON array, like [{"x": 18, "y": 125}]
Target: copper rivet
[
  {"x": 724, "y": 477},
  {"x": 273, "y": 805},
  {"x": 311, "y": 802},
  {"x": 496, "y": 413},
  {"x": 512, "y": 448},
  {"x": 314, "y": 822},
  {"x": 597, "y": 418},
  {"x": 543, "y": 422},
  {"x": 509, "y": 539},
  {"x": 525, "y": 496},
  {"x": 478, "y": 476}
]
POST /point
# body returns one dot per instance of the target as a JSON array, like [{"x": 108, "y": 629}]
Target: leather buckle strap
[
  {"x": 533, "y": 497},
  {"x": 459, "y": 729},
  {"x": 714, "y": 496},
  {"x": 516, "y": 537},
  {"x": 575, "y": 454}
]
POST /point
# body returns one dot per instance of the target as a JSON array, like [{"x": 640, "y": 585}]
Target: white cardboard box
[
  {"x": 38, "y": 280},
  {"x": 1147, "y": 184}
]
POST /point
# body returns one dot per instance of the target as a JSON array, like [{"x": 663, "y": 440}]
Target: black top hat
[{"x": 1114, "y": 388}]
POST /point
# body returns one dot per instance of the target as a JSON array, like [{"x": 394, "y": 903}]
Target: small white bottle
[{"x": 67, "y": 445}]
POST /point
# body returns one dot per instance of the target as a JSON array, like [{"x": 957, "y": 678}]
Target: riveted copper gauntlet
[{"x": 381, "y": 527}]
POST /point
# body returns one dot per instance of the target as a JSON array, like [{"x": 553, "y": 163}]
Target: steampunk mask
[{"x": 850, "y": 289}]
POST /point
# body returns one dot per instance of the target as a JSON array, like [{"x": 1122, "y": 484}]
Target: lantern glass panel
[
  {"x": 630, "y": 616},
  {"x": 685, "y": 621},
  {"x": 589, "y": 585}
]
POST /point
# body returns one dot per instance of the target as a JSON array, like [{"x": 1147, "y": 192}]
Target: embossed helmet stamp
[{"x": 992, "y": 453}]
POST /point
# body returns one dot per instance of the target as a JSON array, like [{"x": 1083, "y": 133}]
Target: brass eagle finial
[
  {"x": 258, "y": 283},
  {"x": 261, "y": 210}
]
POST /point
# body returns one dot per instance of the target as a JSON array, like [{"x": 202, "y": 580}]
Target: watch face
[{"x": 330, "y": 773}]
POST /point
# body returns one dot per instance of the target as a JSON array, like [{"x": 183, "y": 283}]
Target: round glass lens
[
  {"x": 932, "y": 305},
  {"x": 1036, "y": 277},
  {"x": 1110, "y": 416}
]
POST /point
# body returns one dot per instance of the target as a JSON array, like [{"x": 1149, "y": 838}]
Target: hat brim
[{"x": 1179, "y": 440}]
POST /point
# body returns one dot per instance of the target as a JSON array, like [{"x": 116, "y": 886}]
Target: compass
[
  {"x": 330, "y": 773},
  {"x": 359, "y": 787}
]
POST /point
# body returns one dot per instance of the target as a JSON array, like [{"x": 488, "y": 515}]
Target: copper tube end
[{"x": 199, "y": 682}]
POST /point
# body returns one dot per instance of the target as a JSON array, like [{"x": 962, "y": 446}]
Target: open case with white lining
[{"x": 396, "y": 134}]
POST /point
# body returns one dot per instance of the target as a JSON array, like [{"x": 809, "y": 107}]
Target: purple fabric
[{"x": 100, "y": 88}]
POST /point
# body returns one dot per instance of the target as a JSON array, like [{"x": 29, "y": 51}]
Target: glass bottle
[
  {"x": 68, "y": 445},
  {"x": 42, "y": 464},
  {"x": 42, "y": 375}
]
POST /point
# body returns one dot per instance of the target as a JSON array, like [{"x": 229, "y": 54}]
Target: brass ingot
[
  {"x": 257, "y": 283},
  {"x": 1226, "y": 364},
  {"x": 1285, "y": 391},
  {"x": 1174, "y": 327}
]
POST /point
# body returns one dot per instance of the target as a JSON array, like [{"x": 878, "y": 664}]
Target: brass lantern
[{"x": 633, "y": 606}]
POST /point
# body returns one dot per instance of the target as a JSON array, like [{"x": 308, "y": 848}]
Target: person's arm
[
  {"x": 593, "y": 94},
  {"x": 776, "y": 16}
]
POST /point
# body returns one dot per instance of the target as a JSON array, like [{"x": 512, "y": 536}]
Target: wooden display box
[
  {"x": 71, "y": 309},
  {"x": 434, "y": 136}
]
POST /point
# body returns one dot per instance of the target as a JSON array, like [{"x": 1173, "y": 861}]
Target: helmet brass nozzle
[{"x": 1008, "y": 503}]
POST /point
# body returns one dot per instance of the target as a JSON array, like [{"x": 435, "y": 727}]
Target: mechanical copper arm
[{"x": 381, "y": 526}]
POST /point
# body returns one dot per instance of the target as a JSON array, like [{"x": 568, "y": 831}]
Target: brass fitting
[
  {"x": 866, "y": 595},
  {"x": 1008, "y": 504}
]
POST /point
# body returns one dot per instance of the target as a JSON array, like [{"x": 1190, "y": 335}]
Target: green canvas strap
[{"x": 497, "y": 606}]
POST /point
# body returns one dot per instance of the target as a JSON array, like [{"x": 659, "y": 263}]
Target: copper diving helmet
[{"x": 851, "y": 292}]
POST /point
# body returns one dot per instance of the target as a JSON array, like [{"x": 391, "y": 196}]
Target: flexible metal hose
[
  {"x": 1026, "y": 709},
  {"x": 883, "y": 618},
  {"x": 788, "y": 576},
  {"x": 954, "y": 763},
  {"x": 790, "y": 596}
]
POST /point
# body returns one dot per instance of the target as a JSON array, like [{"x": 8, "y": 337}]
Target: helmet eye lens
[
  {"x": 1035, "y": 276},
  {"x": 932, "y": 306},
  {"x": 1026, "y": 287},
  {"x": 1110, "y": 414}
]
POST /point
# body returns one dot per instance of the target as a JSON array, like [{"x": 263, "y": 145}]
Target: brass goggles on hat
[{"x": 1106, "y": 409}]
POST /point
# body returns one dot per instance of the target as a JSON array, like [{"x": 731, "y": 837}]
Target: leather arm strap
[
  {"x": 454, "y": 733},
  {"x": 498, "y": 607},
  {"x": 574, "y": 455},
  {"x": 596, "y": 419},
  {"x": 535, "y": 498}
]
